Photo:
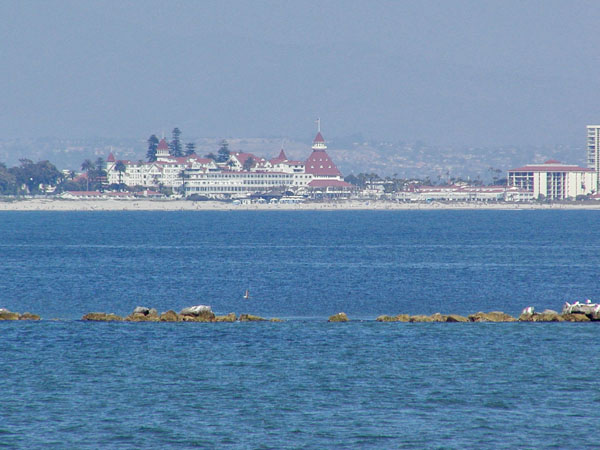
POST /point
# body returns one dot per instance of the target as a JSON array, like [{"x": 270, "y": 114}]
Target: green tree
[
  {"x": 33, "y": 175},
  {"x": 249, "y": 163},
  {"x": 190, "y": 148},
  {"x": 152, "y": 145},
  {"x": 175, "y": 148},
  {"x": 352, "y": 179},
  {"x": 223, "y": 153},
  {"x": 8, "y": 182},
  {"x": 211, "y": 155}
]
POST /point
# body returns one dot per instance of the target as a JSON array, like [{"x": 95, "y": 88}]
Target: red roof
[
  {"x": 282, "y": 157},
  {"x": 243, "y": 157},
  {"x": 162, "y": 145},
  {"x": 551, "y": 167},
  {"x": 111, "y": 157},
  {"x": 327, "y": 183},
  {"x": 552, "y": 161},
  {"x": 319, "y": 138},
  {"x": 319, "y": 163}
]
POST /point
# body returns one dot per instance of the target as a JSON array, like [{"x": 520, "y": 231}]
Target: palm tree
[
  {"x": 182, "y": 175},
  {"x": 88, "y": 166},
  {"x": 120, "y": 167}
]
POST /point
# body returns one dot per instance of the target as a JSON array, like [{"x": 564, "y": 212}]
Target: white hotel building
[
  {"x": 243, "y": 174},
  {"x": 553, "y": 180}
]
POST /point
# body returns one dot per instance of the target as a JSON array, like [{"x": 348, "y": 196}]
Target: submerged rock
[
  {"x": 421, "y": 318},
  {"x": 493, "y": 316},
  {"x": 385, "y": 318},
  {"x": 339, "y": 317},
  {"x": 456, "y": 318},
  {"x": 101, "y": 317},
  {"x": 231, "y": 317},
  {"x": 251, "y": 318}
]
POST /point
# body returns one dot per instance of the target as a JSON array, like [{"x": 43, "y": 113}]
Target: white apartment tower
[{"x": 593, "y": 149}]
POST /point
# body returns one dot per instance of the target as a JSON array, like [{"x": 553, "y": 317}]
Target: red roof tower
[
  {"x": 319, "y": 163},
  {"x": 163, "y": 149}
]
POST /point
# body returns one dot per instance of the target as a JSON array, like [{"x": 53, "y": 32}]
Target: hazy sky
[{"x": 445, "y": 72}]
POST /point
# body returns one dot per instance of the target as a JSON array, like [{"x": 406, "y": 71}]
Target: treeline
[
  {"x": 28, "y": 177},
  {"x": 177, "y": 148}
]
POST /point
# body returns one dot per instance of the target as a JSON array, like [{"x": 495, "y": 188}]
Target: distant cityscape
[{"x": 238, "y": 169}]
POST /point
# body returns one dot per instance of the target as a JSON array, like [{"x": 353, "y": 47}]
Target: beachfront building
[
  {"x": 166, "y": 171},
  {"x": 553, "y": 180},
  {"x": 245, "y": 174},
  {"x": 463, "y": 192},
  {"x": 593, "y": 149},
  {"x": 242, "y": 175}
]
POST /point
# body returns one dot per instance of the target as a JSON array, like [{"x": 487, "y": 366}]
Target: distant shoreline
[{"x": 186, "y": 205}]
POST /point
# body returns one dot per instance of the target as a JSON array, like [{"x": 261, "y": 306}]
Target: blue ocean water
[{"x": 303, "y": 383}]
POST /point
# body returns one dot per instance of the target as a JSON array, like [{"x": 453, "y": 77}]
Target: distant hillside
[{"x": 352, "y": 155}]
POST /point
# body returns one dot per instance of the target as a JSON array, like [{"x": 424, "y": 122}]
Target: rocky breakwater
[
  {"x": 493, "y": 316},
  {"x": 5, "y": 314},
  {"x": 576, "y": 312},
  {"x": 197, "y": 313}
]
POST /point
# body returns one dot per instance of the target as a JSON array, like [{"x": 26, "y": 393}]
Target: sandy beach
[{"x": 185, "y": 205}]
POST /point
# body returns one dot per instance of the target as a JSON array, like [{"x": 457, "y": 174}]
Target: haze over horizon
[{"x": 447, "y": 73}]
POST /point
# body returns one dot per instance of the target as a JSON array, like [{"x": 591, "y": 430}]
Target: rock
[
  {"x": 170, "y": 316},
  {"x": 548, "y": 316},
  {"x": 143, "y": 314},
  {"x": 421, "y": 318},
  {"x": 545, "y": 316},
  {"x": 5, "y": 314},
  {"x": 437, "y": 317},
  {"x": 195, "y": 310},
  {"x": 231, "y": 317},
  {"x": 456, "y": 318},
  {"x": 102, "y": 317},
  {"x": 29, "y": 316},
  {"x": 339, "y": 317},
  {"x": 575, "y": 317},
  {"x": 141, "y": 310},
  {"x": 493, "y": 316},
  {"x": 198, "y": 313},
  {"x": 250, "y": 318},
  {"x": 385, "y": 318},
  {"x": 141, "y": 317},
  {"x": 403, "y": 318}
]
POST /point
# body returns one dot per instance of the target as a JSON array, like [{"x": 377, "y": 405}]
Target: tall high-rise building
[{"x": 593, "y": 149}]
